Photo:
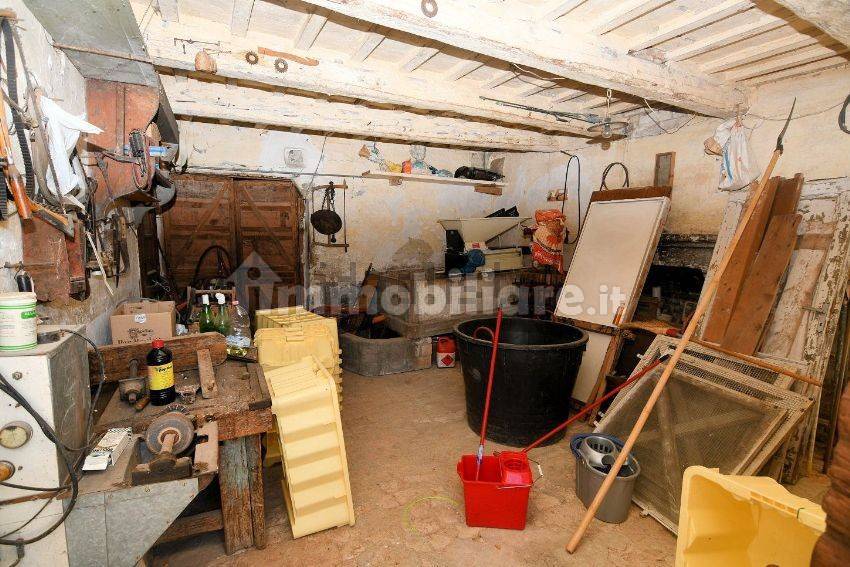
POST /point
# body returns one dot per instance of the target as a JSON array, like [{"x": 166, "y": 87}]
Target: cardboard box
[{"x": 144, "y": 321}]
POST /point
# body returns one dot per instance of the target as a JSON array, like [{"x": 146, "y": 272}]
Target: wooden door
[{"x": 255, "y": 221}]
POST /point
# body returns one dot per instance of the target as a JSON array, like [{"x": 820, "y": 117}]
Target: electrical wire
[
  {"x": 603, "y": 185},
  {"x": 578, "y": 196},
  {"x": 651, "y": 111}
]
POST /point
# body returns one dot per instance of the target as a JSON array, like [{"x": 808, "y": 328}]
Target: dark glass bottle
[{"x": 160, "y": 374}]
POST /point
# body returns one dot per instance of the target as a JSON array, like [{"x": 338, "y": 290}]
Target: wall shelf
[{"x": 488, "y": 187}]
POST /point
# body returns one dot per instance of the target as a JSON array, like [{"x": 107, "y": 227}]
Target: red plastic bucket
[{"x": 499, "y": 498}]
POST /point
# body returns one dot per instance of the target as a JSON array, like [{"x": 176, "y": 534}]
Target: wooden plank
[
  {"x": 206, "y": 374},
  {"x": 787, "y": 196},
  {"x": 234, "y": 480},
  {"x": 116, "y": 358},
  {"x": 193, "y": 525},
  {"x": 631, "y": 193},
  {"x": 233, "y": 426},
  {"x": 254, "y": 456},
  {"x": 730, "y": 286},
  {"x": 761, "y": 286}
]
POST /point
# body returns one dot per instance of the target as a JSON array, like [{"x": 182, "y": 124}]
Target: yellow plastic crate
[
  {"x": 316, "y": 486},
  {"x": 744, "y": 521}
]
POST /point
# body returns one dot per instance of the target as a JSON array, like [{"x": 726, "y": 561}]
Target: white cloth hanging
[
  {"x": 737, "y": 168},
  {"x": 63, "y": 130}
]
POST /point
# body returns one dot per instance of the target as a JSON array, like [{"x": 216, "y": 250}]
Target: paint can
[{"x": 17, "y": 321}]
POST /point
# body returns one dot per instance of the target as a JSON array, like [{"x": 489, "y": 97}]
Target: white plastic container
[{"x": 17, "y": 321}]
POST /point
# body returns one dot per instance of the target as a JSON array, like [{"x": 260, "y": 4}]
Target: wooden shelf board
[{"x": 399, "y": 177}]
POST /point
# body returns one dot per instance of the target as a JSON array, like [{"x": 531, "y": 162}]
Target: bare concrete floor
[{"x": 404, "y": 434}]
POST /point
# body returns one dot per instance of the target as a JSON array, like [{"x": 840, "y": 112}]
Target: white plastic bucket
[{"x": 17, "y": 321}]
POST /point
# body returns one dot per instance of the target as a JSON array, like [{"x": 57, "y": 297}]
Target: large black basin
[{"x": 536, "y": 368}]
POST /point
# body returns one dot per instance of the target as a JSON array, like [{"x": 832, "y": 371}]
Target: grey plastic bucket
[{"x": 615, "y": 508}]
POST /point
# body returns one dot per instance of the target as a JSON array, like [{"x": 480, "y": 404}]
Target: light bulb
[{"x": 606, "y": 130}]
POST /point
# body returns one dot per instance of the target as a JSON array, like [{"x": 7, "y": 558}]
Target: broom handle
[
  {"x": 700, "y": 310},
  {"x": 490, "y": 377},
  {"x": 586, "y": 409}
]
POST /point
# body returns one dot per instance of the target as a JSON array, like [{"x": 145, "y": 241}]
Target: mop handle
[
  {"x": 490, "y": 379},
  {"x": 600, "y": 401}
]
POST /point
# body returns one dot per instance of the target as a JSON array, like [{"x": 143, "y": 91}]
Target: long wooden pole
[{"x": 702, "y": 306}]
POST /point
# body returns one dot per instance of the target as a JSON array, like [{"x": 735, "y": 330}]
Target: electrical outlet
[{"x": 294, "y": 157}]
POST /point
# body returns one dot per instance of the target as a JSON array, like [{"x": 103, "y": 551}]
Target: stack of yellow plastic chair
[
  {"x": 315, "y": 485},
  {"x": 288, "y": 334}
]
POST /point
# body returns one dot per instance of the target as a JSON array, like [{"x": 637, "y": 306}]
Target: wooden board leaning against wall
[
  {"x": 804, "y": 318},
  {"x": 253, "y": 222}
]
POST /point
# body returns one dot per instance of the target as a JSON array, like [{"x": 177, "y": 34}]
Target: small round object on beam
[
  {"x": 252, "y": 58},
  {"x": 280, "y": 65},
  {"x": 429, "y": 8}
]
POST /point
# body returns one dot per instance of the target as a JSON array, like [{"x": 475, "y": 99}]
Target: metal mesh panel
[{"x": 710, "y": 415}]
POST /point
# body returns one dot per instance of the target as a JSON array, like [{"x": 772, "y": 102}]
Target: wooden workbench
[{"x": 242, "y": 409}]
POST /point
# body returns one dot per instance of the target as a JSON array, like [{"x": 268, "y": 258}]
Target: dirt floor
[{"x": 404, "y": 434}]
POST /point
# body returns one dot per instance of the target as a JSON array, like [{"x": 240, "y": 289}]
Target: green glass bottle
[
  {"x": 206, "y": 321},
  {"x": 222, "y": 322}
]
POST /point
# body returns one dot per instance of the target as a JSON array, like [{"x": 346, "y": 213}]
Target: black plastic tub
[{"x": 536, "y": 368}]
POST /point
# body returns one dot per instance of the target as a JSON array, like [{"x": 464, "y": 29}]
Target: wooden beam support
[
  {"x": 500, "y": 79},
  {"x": 759, "y": 52},
  {"x": 836, "y": 62},
  {"x": 566, "y": 52},
  {"x": 558, "y": 8},
  {"x": 371, "y": 83},
  {"x": 690, "y": 22},
  {"x": 310, "y": 30},
  {"x": 624, "y": 12},
  {"x": 462, "y": 69},
  {"x": 830, "y": 16},
  {"x": 168, "y": 10},
  {"x": 241, "y": 17},
  {"x": 371, "y": 41},
  {"x": 422, "y": 55},
  {"x": 793, "y": 59},
  {"x": 763, "y": 24},
  {"x": 252, "y": 106}
]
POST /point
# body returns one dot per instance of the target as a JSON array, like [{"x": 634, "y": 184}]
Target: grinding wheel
[{"x": 172, "y": 422}]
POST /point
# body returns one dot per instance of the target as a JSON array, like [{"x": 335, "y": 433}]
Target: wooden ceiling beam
[
  {"x": 567, "y": 52},
  {"x": 371, "y": 41},
  {"x": 370, "y": 83},
  {"x": 462, "y": 69},
  {"x": 240, "y": 18},
  {"x": 500, "y": 79},
  {"x": 836, "y": 62},
  {"x": 419, "y": 58},
  {"x": 556, "y": 9},
  {"x": 789, "y": 60},
  {"x": 761, "y": 25},
  {"x": 759, "y": 52},
  {"x": 199, "y": 99},
  {"x": 830, "y": 16},
  {"x": 624, "y": 12},
  {"x": 690, "y": 22},
  {"x": 310, "y": 31}
]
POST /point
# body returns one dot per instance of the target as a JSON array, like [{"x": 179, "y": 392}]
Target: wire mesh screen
[{"x": 708, "y": 414}]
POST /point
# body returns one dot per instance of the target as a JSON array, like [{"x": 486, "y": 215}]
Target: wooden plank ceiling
[{"x": 384, "y": 62}]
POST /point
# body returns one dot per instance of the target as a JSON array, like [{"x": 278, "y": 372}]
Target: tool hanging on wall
[{"x": 326, "y": 220}]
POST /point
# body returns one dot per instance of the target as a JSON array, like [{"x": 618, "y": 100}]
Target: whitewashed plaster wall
[
  {"x": 396, "y": 226},
  {"x": 62, "y": 82}
]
